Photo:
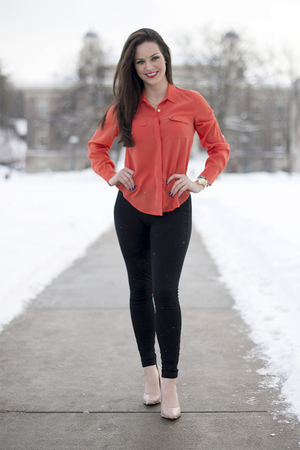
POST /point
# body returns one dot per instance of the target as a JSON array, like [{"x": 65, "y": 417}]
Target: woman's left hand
[{"x": 182, "y": 184}]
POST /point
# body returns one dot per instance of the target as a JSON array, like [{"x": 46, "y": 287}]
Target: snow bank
[{"x": 251, "y": 226}]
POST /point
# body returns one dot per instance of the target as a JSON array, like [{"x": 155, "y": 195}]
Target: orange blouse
[{"x": 163, "y": 139}]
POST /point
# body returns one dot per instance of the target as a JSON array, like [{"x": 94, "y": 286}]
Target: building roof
[{"x": 91, "y": 34}]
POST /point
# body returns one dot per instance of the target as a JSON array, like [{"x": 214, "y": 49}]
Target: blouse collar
[{"x": 170, "y": 94}]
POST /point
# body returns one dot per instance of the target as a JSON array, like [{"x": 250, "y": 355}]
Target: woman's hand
[
  {"x": 182, "y": 184},
  {"x": 125, "y": 177}
]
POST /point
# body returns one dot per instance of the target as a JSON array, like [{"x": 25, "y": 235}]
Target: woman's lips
[{"x": 151, "y": 75}]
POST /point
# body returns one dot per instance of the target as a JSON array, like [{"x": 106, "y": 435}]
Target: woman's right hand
[{"x": 125, "y": 177}]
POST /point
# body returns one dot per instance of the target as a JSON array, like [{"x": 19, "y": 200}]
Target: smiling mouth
[{"x": 151, "y": 75}]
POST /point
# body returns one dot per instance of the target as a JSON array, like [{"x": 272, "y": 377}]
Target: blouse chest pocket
[
  {"x": 139, "y": 130},
  {"x": 179, "y": 127}
]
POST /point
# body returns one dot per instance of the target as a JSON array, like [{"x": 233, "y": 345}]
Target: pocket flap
[
  {"x": 179, "y": 119},
  {"x": 139, "y": 122}
]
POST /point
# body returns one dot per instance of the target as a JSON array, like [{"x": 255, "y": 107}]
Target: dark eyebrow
[{"x": 150, "y": 56}]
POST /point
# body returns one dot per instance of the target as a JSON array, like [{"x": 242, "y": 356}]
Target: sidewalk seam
[{"x": 131, "y": 412}]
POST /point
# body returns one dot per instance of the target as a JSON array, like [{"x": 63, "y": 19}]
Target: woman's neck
[{"x": 155, "y": 94}]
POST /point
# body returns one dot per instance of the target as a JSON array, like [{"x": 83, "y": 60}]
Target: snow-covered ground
[
  {"x": 250, "y": 224},
  {"x": 47, "y": 221}
]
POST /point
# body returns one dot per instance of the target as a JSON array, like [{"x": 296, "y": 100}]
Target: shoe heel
[{"x": 153, "y": 399}]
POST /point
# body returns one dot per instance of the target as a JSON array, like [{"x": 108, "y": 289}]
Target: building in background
[
  {"x": 257, "y": 129},
  {"x": 91, "y": 60},
  {"x": 260, "y": 122}
]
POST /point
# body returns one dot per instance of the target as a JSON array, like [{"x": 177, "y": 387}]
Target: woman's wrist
[
  {"x": 111, "y": 181},
  {"x": 199, "y": 187}
]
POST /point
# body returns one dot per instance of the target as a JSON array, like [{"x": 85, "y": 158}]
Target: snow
[
  {"x": 21, "y": 126},
  {"x": 249, "y": 222},
  {"x": 12, "y": 148},
  {"x": 47, "y": 221}
]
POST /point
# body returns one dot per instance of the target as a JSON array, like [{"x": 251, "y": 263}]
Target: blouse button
[{"x": 158, "y": 110}]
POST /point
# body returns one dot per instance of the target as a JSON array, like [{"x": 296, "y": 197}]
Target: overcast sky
[{"x": 42, "y": 38}]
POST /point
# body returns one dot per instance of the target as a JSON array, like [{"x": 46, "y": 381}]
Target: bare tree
[
  {"x": 235, "y": 78},
  {"x": 77, "y": 108},
  {"x": 77, "y": 112},
  {"x": 218, "y": 68},
  {"x": 12, "y": 145},
  {"x": 224, "y": 70},
  {"x": 4, "y": 98}
]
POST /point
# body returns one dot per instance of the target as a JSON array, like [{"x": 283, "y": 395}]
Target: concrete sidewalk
[{"x": 71, "y": 376}]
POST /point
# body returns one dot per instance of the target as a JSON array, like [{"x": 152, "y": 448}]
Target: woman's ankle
[
  {"x": 169, "y": 392},
  {"x": 152, "y": 384}
]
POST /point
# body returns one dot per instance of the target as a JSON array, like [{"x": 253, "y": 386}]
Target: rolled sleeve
[
  {"x": 211, "y": 138},
  {"x": 100, "y": 144}
]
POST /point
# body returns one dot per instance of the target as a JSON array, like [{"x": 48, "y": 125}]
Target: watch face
[{"x": 202, "y": 182}]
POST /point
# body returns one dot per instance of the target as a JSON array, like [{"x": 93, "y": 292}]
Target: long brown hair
[{"x": 128, "y": 86}]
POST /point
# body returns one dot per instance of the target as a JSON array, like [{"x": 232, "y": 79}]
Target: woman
[{"x": 156, "y": 122}]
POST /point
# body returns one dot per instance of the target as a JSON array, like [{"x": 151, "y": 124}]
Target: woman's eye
[
  {"x": 139, "y": 62},
  {"x": 155, "y": 58}
]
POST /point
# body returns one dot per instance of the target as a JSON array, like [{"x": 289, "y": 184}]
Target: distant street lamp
[
  {"x": 73, "y": 140},
  {"x": 244, "y": 140}
]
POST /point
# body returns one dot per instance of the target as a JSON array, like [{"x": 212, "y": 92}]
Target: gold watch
[{"x": 202, "y": 181}]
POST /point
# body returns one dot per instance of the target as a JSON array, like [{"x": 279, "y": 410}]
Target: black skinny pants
[{"x": 154, "y": 248}]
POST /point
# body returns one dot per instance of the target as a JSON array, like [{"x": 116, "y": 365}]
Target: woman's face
[{"x": 150, "y": 64}]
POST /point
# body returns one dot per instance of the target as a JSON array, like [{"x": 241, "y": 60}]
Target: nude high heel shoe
[
  {"x": 152, "y": 399},
  {"x": 170, "y": 408}
]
